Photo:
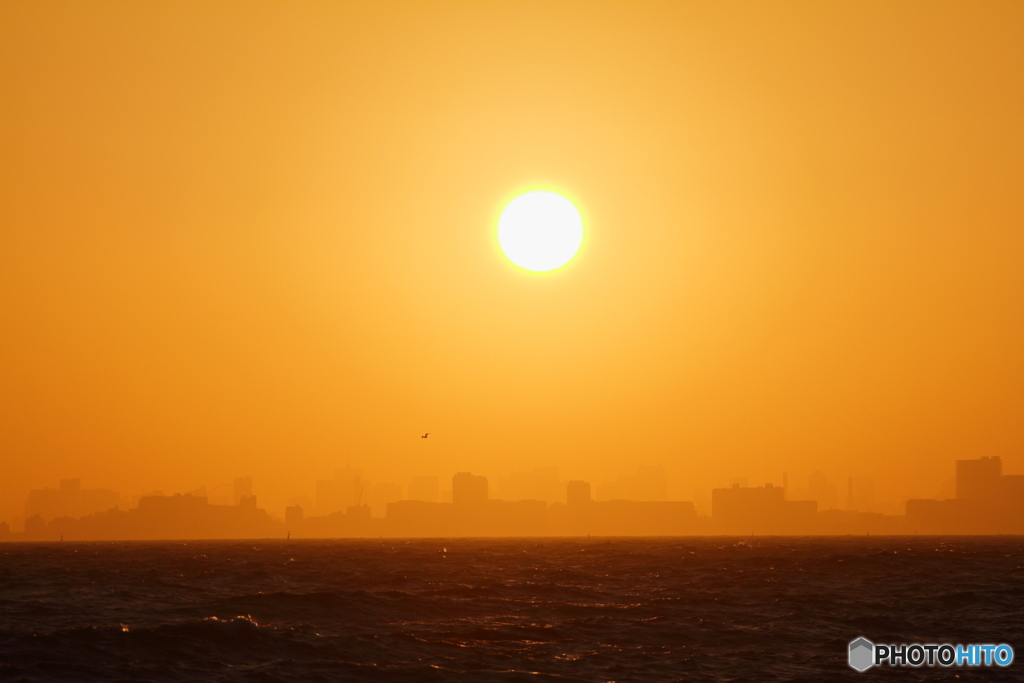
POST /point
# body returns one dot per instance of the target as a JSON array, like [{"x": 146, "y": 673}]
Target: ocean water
[{"x": 690, "y": 609}]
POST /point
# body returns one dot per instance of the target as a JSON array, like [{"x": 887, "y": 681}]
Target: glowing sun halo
[{"x": 540, "y": 230}]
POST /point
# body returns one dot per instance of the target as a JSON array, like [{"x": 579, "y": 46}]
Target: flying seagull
[{"x": 425, "y": 435}]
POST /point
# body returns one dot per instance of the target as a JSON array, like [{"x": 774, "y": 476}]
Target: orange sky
[{"x": 257, "y": 238}]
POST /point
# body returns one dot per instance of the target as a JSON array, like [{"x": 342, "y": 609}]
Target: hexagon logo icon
[{"x": 862, "y": 654}]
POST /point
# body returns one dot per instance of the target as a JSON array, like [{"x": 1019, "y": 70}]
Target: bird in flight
[{"x": 425, "y": 435}]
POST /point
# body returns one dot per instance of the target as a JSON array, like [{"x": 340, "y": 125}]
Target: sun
[{"x": 540, "y": 230}]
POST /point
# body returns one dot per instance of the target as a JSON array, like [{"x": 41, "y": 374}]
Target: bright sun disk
[{"x": 540, "y": 230}]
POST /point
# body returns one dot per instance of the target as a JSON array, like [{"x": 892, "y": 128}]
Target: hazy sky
[{"x": 258, "y": 238}]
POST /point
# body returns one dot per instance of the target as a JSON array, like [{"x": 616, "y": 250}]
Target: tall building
[
  {"x": 469, "y": 489},
  {"x": 987, "y": 502},
  {"x": 978, "y": 479},
  {"x": 577, "y": 493},
  {"x": 293, "y": 516}
]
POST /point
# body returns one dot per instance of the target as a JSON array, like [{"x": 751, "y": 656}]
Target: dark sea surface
[{"x": 693, "y": 609}]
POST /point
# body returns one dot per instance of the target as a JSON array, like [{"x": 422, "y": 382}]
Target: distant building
[
  {"x": 577, "y": 493},
  {"x": 187, "y": 516},
  {"x": 742, "y": 507},
  {"x": 359, "y": 513},
  {"x": 469, "y": 489},
  {"x": 70, "y": 500},
  {"x": 987, "y": 502},
  {"x": 764, "y": 509},
  {"x": 293, "y": 516},
  {"x": 978, "y": 479}
]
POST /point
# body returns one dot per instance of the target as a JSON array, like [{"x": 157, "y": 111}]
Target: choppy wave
[{"x": 498, "y": 610}]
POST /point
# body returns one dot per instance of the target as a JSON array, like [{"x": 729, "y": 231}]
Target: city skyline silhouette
[{"x": 986, "y": 501}]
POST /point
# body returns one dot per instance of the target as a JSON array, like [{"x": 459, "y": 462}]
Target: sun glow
[{"x": 540, "y": 231}]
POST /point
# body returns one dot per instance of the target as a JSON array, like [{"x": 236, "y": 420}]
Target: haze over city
[
  {"x": 263, "y": 244},
  {"x": 531, "y": 504}
]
